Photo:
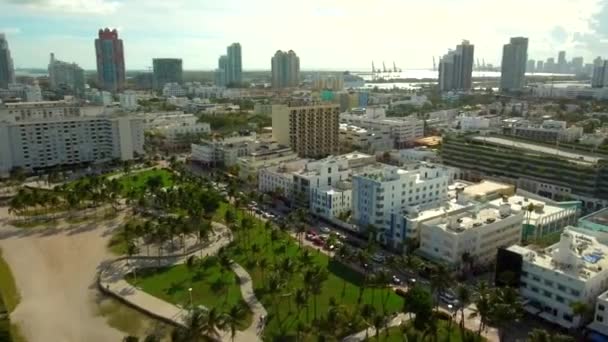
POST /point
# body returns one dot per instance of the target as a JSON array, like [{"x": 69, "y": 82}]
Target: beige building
[
  {"x": 312, "y": 131},
  {"x": 265, "y": 154}
]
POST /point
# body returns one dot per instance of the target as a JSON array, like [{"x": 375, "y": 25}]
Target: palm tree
[
  {"x": 483, "y": 306},
  {"x": 377, "y": 321},
  {"x": 441, "y": 279},
  {"x": 368, "y": 311},
  {"x": 582, "y": 310},
  {"x": 464, "y": 296},
  {"x": 301, "y": 301},
  {"x": 233, "y": 317},
  {"x": 200, "y": 325}
]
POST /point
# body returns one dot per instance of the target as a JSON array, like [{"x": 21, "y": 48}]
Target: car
[
  {"x": 412, "y": 281},
  {"x": 448, "y": 298},
  {"x": 325, "y": 230},
  {"x": 396, "y": 280},
  {"x": 318, "y": 242},
  {"x": 266, "y": 215},
  {"x": 378, "y": 257}
]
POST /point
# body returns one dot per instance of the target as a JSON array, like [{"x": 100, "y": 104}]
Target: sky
[{"x": 326, "y": 34}]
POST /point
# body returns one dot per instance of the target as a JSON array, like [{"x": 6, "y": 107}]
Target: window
[
  {"x": 600, "y": 307},
  {"x": 547, "y": 294},
  {"x": 561, "y": 287},
  {"x": 559, "y": 298},
  {"x": 599, "y": 318},
  {"x": 548, "y": 282},
  {"x": 567, "y": 317},
  {"x": 575, "y": 292}
]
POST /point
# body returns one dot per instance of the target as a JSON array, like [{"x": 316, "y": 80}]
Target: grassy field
[
  {"x": 445, "y": 332},
  {"x": 137, "y": 181},
  {"x": 341, "y": 287},
  {"x": 211, "y": 286}
]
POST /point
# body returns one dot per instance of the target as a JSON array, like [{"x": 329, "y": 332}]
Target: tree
[
  {"x": 130, "y": 338},
  {"x": 539, "y": 335},
  {"x": 233, "y": 317},
  {"x": 582, "y": 310},
  {"x": 418, "y": 301},
  {"x": 464, "y": 296},
  {"x": 301, "y": 301},
  {"x": 441, "y": 279}
]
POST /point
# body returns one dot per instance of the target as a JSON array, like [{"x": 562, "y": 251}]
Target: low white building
[
  {"x": 404, "y": 131},
  {"x": 173, "y": 125},
  {"x": 573, "y": 270},
  {"x": 173, "y": 89},
  {"x": 473, "y": 123},
  {"x": 280, "y": 178},
  {"x": 477, "y": 233},
  {"x": 33, "y": 93},
  {"x": 128, "y": 100},
  {"x": 367, "y": 140},
  {"x": 416, "y": 154},
  {"x": 600, "y": 317},
  {"x": 264, "y": 154},
  {"x": 412, "y": 100},
  {"x": 223, "y": 152},
  {"x": 333, "y": 202}
]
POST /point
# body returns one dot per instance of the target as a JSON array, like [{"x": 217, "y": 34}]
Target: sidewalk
[
  {"x": 370, "y": 332},
  {"x": 112, "y": 281}
]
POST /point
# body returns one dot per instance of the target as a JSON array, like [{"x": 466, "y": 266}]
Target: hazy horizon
[{"x": 327, "y": 35}]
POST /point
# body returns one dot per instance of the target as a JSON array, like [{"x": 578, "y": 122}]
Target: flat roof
[
  {"x": 461, "y": 222},
  {"x": 519, "y": 203},
  {"x": 447, "y": 207},
  {"x": 577, "y": 157},
  {"x": 486, "y": 187},
  {"x": 598, "y": 217}
]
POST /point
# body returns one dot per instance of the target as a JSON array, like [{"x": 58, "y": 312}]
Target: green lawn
[
  {"x": 210, "y": 286},
  {"x": 137, "y": 180},
  {"x": 395, "y": 334},
  {"x": 342, "y": 285}
]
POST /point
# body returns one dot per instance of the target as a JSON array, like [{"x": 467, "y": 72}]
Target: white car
[{"x": 324, "y": 230}]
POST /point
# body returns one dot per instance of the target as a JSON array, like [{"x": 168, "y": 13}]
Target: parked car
[
  {"x": 378, "y": 257},
  {"x": 396, "y": 280},
  {"x": 324, "y": 230},
  {"x": 448, "y": 298}
]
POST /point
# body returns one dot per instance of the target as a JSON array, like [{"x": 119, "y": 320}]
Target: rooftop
[
  {"x": 470, "y": 219},
  {"x": 447, "y": 207},
  {"x": 519, "y": 203},
  {"x": 485, "y": 188},
  {"x": 596, "y": 221},
  {"x": 576, "y": 157},
  {"x": 576, "y": 254}
]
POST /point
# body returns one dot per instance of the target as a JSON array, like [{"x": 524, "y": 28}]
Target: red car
[{"x": 318, "y": 241}]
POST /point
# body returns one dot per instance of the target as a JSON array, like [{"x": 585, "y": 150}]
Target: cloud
[
  {"x": 70, "y": 6},
  {"x": 559, "y": 34}
]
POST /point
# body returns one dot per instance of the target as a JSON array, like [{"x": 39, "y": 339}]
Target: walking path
[
  {"x": 112, "y": 281},
  {"x": 364, "y": 334}
]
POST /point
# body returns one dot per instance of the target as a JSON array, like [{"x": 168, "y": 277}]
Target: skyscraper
[
  {"x": 234, "y": 65},
  {"x": 167, "y": 70},
  {"x": 531, "y": 66},
  {"x": 600, "y": 74},
  {"x": 562, "y": 65},
  {"x": 220, "y": 72},
  {"x": 110, "y": 60},
  {"x": 285, "y": 69},
  {"x": 578, "y": 65},
  {"x": 540, "y": 66},
  {"x": 550, "y": 65},
  {"x": 7, "y": 73},
  {"x": 456, "y": 68},
  {"x": 65, "y": 76},
  {"x": 513, "y": 69}
]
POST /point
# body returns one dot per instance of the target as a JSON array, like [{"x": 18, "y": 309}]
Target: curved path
[
  {"x": 112, "y": 281},
  {"x": 371, "y": 331}
]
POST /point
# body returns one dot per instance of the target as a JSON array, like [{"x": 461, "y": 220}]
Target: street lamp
[{"x": 190, "y": 292}]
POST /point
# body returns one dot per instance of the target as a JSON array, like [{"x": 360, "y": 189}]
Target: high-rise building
[
  {"x": 220, "y": 72},
  {"x": 234, "y": 65},
  {"x": 456, "y": 68},
  {"x": 577, "y": 65},
  {"x": 540, "y": 66},
  {"x": 41, "y": 135},
  {"x": 7, "y": 73},
  {"x": 285, "y": 69},
  {"x": 530, "y": 68},
  {"x": 110, "y": 60},
  {"x": 311, "y": 130},
  {"x": 550, "y": 65},
  {"x": 562, "y": 65},
  {"x": 66, "y": 77},
  {"x": 598, "y": 61},
  {"x": 600, "y": 75},
  {"x": 167, "y": 70},
  {"x": 513, "y": 69}
]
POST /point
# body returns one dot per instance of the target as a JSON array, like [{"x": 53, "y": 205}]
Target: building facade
[
  {"x": 66, "y": 77},
  {"x": 42, "y": 135},
  {"x": 312, "y": 130},
  {"x": 477, "y": 233},
  {"x": 110, "y": 60},
  {"x": 600, "y": 75},
  {"x": 167, "y": 70},
  {"x": 285, "y": 69},
  {"x": 234, "y": 65},
  {"x": 456, "y": 68},
  {"x": 403, "y": 131},
  {"x": 7, "y": 71},
  {"x": 513, "y": 67}
]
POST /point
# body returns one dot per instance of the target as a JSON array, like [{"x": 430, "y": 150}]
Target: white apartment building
[
  {"x": 224, "y": 152},
  {"x": 545, "y": 217},
  {"x": 280, "y": 178},
  {"x": 265, "y": 154},
  {"x": 333, "y": 202},
  {"x": 40, "y": 135},
  {"x": 97, "y": 97},
  {"x": 600, "y": 318},
  {"x": 573, "y": 270},
  {"x": 173, "y": 90},
  {"x": 172, "y": 125},
  {"x": 476, "y": 232},
  {"x": 473, "y": 123},
  {"x": 403, "y": 130},
  {"x": 367, "y": 140},
  {"x": 416, "y": 154},
  {"x": 383, "y": 194},
  {"x": 325, "y": 173},
  {"x": 128, "y": 100}
]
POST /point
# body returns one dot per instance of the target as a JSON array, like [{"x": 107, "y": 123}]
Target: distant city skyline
[{"x": 199, "y": 32}]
